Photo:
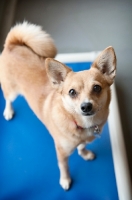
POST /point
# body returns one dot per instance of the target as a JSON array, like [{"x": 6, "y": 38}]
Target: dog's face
[{"x": 86, "y": 92}]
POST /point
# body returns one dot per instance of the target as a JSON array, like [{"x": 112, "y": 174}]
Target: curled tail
[{"x": 32, "y": 36}]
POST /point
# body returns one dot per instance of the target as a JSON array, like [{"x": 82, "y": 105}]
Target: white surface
[
  {"x": 118, "y": 150},
  {"x": 77, "y": 57},
  {"x": 116, "y": 134}
]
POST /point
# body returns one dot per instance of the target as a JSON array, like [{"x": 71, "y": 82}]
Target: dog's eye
[
  {"x": 97, "y": 88},
  {"x": 72, "y": 93}
]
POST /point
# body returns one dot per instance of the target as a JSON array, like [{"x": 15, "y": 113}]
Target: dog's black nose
[{"x": 86, "y": 107}]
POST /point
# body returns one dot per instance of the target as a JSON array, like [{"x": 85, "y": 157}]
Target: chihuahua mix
[{"x": 72, "y": 105}]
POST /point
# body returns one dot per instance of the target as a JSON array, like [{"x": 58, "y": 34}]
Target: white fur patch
[
  {"x": 65, "y": 183},
  {"x": 8, "y": 112}
]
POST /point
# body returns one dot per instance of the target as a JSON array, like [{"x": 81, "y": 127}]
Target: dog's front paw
[
  {"x": 90, "y": 156},
  {"x": 87, "y": 155},
  {"x": 8, "y": 114},
  {"x": 65, "y": 183}
]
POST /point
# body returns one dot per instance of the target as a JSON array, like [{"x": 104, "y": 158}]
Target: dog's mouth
[{"x": 88, "y": 113}]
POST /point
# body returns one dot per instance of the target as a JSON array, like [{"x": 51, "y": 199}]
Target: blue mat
[{"x": 29, "y": 172}]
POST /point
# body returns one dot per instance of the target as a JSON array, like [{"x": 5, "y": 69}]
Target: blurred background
[{"x": 84, "y": 26}]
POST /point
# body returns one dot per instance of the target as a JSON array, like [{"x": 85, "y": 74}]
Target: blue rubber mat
[{"x": 28, "y": 165}]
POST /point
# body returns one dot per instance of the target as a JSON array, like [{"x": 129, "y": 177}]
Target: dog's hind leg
[
  {"x": 8, "y": 111},
  {"x": 9, "y": 96}
]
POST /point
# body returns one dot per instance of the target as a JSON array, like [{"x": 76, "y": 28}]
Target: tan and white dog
[{"x": 71, "y": 105}]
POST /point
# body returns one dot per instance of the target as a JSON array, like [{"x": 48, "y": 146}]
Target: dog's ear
[
  {"x": 56, "y": 71},
  {"x": 106, "y": 64}
]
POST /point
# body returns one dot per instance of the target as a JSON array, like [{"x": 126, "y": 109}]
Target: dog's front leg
[{"x": 65, "y": 179}]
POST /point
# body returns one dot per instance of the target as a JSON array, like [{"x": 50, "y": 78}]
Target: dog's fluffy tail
[{"x": 32, "y": 36}]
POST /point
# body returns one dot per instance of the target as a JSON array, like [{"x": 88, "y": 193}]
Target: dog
[{"x": 74, "y": 106}]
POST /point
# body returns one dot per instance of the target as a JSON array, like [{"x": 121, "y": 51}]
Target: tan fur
[{"x": 45, "y": 84}]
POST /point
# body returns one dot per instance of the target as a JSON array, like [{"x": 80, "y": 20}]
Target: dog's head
[{"x": 85, "y": 92}]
